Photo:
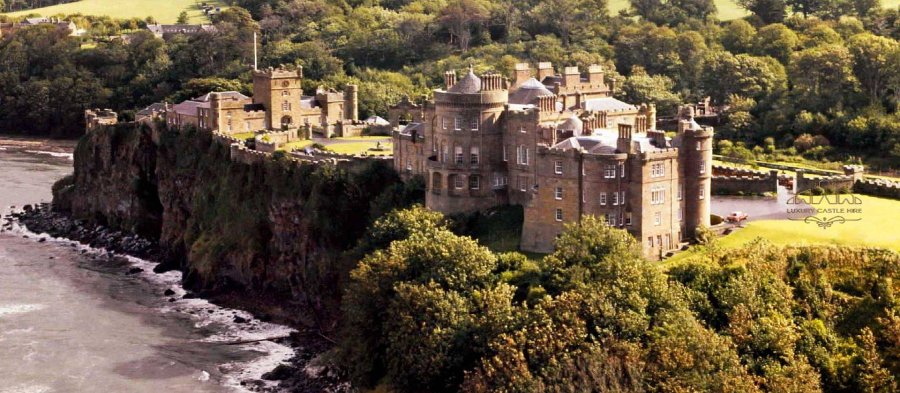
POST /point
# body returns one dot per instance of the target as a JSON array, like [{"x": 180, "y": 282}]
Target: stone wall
[
  {"x": 879, "y": 187},
  {"x": 740, "y": 181},
  {"x": 831, "y": 184}
]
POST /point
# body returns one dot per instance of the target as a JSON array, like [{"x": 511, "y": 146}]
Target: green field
[
  {"x": 877, "y": 227},
  {"x": 360, "y": 148},
  {"x": 164, "y": 11}
]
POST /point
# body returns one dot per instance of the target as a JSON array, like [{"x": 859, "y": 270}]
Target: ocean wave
[
  {"x": 70, "y": 156},
  {"x": 248, "y": 336},
  {"x": 10, "y": 309}
]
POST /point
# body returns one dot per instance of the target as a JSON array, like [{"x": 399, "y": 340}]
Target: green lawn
[
  {"x": 164, "y": 11},
  {"x": 290, "y": 146},
  {"x": 360, "y": 148},
  {"x": 877, "y": 227}
]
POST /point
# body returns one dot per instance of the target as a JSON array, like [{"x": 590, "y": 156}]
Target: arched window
[
  {"x": 286, "y": 106},
  {"x": 285, "y": 93},
  {"x": 285, "y": 84}
]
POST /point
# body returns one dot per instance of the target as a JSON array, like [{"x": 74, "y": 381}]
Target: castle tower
[
  {"x": 279, "y": 91},
  {"x": 695, "y": 153},
  {"x": 351, "y": 96},
  {"x": 468, "y": 143}
]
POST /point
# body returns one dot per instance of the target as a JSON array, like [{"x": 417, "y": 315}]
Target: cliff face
[{"x": 276, "y": 233}]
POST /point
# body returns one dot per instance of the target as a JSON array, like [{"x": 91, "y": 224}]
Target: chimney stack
[
  {"x": 623, "y": 144},
  {"x": 571, "y": 76},
  {"x": 545, "y": 69},
  {"x": 449, "y": 79},
  {"x": 595, "y": 74},
  {"x": 522, "y": 73}
]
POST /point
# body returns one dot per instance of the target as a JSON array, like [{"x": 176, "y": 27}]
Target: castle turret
[
  {"x": 468, "y": 143},
  {"x": 352, "y": 97},
  {"x": 695, "y": 152}
]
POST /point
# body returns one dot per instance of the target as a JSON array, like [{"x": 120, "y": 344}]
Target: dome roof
[
  {"x": 469, "y": 84},
  {"x": 528, "y": 92},
  {"x": 572, "y": 124}
]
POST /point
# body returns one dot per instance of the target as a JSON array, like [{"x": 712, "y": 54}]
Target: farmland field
[{"x": 164, "y": 11}]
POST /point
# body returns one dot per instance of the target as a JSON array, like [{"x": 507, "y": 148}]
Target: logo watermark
[{"x": 825, "y": 210}]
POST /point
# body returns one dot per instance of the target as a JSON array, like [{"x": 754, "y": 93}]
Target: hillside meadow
[{"x": 163, "y": 11}]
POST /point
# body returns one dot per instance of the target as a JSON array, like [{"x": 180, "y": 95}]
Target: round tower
[
  {"x": 696, "y": 174},
  {"x": 469, "y": 143}
]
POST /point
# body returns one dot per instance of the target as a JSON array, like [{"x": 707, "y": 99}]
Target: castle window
[
  {"x": 650, "y": 240},
  {"x": 505, "y": 155},
  {"x": 473, "y": 155},
  {"x": 603, "y": 198},
  {"x": 699, "y": 145},
  {"x": 522, "y": 155},
  {"x": 680, "y": 191},
  {"x": 657, "y": 218},
  {"x": 285, "y": 93},
  {"x": 443, "y": 122},
  {"x": 523, "y": 183},
  {"x": 622, "y": 198},
  {"x": 474, "y": 182},
  {"x": 286, "y": 106},
  {"x": 522, "y": 129},
  {"x": 457, "y": 123},
  {"x": 627, "y": 218},
  {"x": 557, "y": 167},
  {"x": 657, "y": 195},
  {"x": 559, "y": 215},
  {"x": 609, "y": 172},
  {"x": 474, "y": 124},
  {"x": 702, "y": 166},
  {"x": 500, "y": 180},
  {"x": 247, "y": 126},
  {"x": 621, "y": 170},
  {"x": 702, "y": 193},
  {"x": 558, "y": 193},
  {"x": 680, "y": 214},
  {"x": 611, "y": 219},
  {"x": 658, "y": 170},
  {"x": 459, "y": 155},
  {"x": 458, "y": 181},
  {"x": 615, "y": 199},
  {"x": 444, "y": 152}
]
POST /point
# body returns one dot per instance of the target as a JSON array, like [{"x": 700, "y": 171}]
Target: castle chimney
[
  {"x": 449, "y": 79},
  {"x": 623, "y": 144},
  {"x": 545, "y": 69},
  {"x": 352, "y": 103},
  {"x": 571, "y": 77},
  {"x": 595, "y": 74},
  {"x": 522, "y": 73}
]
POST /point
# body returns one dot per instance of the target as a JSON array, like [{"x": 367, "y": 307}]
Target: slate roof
[
  {"x": 606, "y": 104},
  {"x": 604, "y": 141},
  {"x": 189, "y": 108},
  {"x": 223, "y": 94},
  {"x": 469, "y": 84},
  {"x": 528, "y": 92}
]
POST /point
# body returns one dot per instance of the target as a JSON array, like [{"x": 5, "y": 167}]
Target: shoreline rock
[{"x": 308, "y": 346}]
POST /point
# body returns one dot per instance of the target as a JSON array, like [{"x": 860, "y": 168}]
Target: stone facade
[
  {"x": 278, "y": 103},
  {"x": 562, "y": 147},
  {"x": 94, "y": 118}
]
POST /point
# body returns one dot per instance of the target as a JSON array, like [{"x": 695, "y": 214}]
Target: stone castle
[
  {"x": 278, "y": 103},
  {"x": 562, "y": 147}
]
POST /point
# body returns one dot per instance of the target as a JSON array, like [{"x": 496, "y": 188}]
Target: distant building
[
  {"x": 167, "y": 31},
  {"x": 67, "y": 26},
  {"x": 278, "y": 103},
  {"x": 94, "y": 118},
  {"x": 562, "y": 147}
]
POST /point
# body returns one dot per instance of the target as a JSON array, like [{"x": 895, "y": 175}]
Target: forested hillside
[{"x": 818, "y": 78}]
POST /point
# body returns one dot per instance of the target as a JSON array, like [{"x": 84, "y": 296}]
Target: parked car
[{"x": 736, "y": 217}]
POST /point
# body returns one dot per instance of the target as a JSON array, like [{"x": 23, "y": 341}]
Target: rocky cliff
[{"x": 277, "y": 234}]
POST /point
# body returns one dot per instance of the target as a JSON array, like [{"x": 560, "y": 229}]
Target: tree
[
  {"x": 460, "y": 17},
  {"x": 182, "y": 18},
  {"x": 673, "y": 12},
  {"x": 776, "y": 40},
  {"x": 738, "y": 36},
  {"x": 770, "y": 11},
  {"x": 822, "y": 77},
  {"x": 642, "y": 88},
  {"x": 565, "y": 17},
  {"x": 873, "y": 377},
  {"x": 754, "y": 77},
  {"x": 806, "y": 7},
  {"x": 872, "y": 63}
]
